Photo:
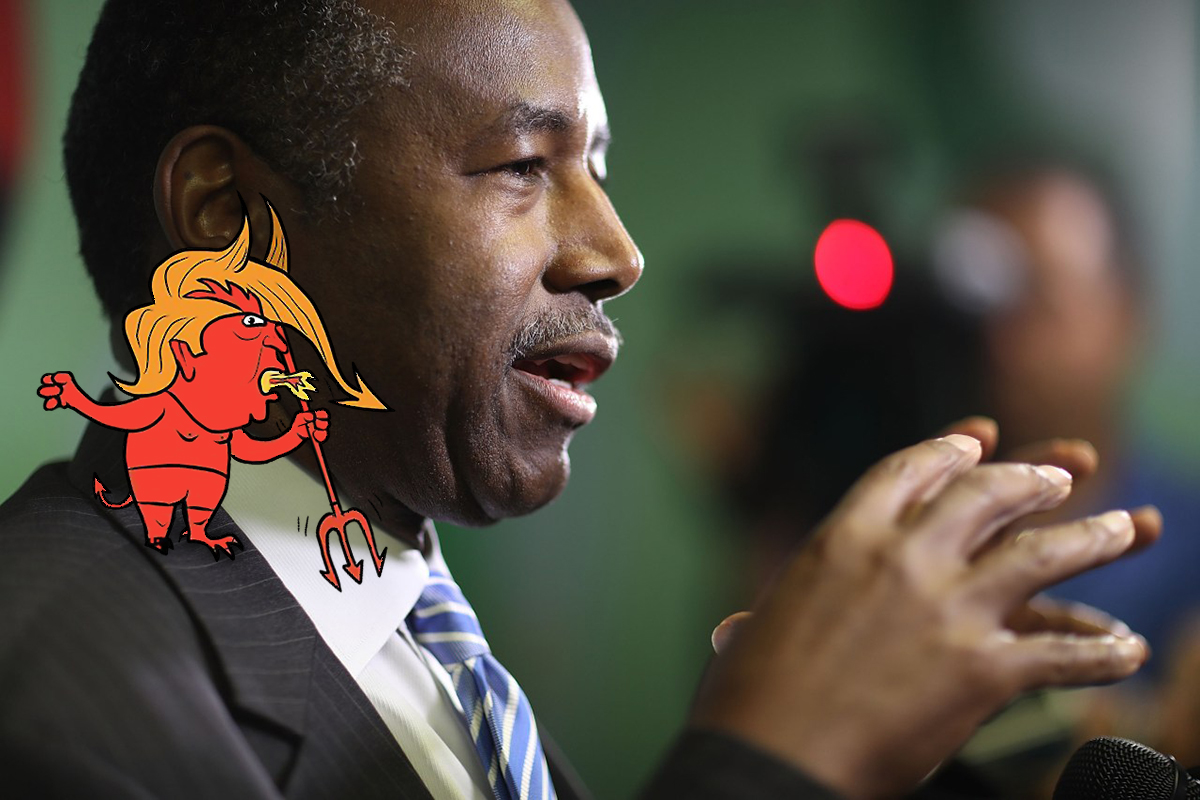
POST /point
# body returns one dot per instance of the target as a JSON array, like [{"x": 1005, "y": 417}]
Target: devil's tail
[{"x": 100, "y": 490}]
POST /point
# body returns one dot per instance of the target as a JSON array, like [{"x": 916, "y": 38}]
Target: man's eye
[
  {"x": 253, "y": 321},
  {"x": 526, "y": 168}
]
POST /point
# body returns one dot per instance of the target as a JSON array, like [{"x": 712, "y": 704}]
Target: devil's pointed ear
[{"x": 185, "y": 358}]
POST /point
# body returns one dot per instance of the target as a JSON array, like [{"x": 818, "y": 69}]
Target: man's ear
[
  {"x": 200, "y": 175},
  {"x": 185, "y": 358}
]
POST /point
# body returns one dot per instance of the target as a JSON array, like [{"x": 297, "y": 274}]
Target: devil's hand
[
  {"x": 58, "y": 390},
  {"x": 312, "y": 423}
]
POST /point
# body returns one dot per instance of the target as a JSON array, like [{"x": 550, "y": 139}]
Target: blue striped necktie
[{"x": 497, "y": 712}]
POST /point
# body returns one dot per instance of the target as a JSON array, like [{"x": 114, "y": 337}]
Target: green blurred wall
[{"x": 49, "y": 319}]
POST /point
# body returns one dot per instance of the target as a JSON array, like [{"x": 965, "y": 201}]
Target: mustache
[{"x": 555, "y": 325}]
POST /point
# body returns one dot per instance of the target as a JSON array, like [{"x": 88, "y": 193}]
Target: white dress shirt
[{"x": 279, "y": 507}]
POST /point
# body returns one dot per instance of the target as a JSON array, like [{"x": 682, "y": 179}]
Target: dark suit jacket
[{"x": 126, "y": 673}]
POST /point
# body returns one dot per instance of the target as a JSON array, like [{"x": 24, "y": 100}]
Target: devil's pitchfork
[{"x": 336, "y": 519}]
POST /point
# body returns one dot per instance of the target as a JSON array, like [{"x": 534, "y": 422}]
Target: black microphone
[{"x": 1109, "y": 768}]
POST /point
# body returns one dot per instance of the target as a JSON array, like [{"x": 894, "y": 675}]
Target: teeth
[
  {"x": 576, "y": 360},
  {"x": 560, "y": 382}
]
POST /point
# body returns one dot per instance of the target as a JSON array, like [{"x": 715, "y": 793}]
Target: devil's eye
[{"x": 253, "y": 321}]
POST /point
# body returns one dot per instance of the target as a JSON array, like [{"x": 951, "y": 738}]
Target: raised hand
[
  {"x": 906, "y": 621},
  {"x": 312, "y": 423},
  {"x": 58, "y": 390}
]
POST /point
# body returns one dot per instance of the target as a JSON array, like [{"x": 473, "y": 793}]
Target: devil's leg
[
  {"x": 204, "y": 495},
  {"x": 157, "y": 519},
  {"x": 156, "y": 491}
]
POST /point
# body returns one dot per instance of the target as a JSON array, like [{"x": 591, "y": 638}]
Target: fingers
[
  {"x": 1148, "y": 525},
  {"x": 984, "y": 429},
  {"x": 723, "y": 634},
  {"x": 1046, "y": 615},
  {"x": 1076, "y": 456},
  {"x": 312, "y": 423},
  {"x": 1042, "y": 557},
  {"x": 981, "y": 502},
  {"x": 909, "y": 477},
  {"x": 1057, "y": 659},
  {"x": 1052, "y": 643},
  {"x": 51, "y": 389}
]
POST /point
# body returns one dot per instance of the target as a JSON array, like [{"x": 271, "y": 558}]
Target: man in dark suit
[{"x": 440, "y": 169}]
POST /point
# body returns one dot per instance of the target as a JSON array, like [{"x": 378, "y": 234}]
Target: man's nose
[
  {"x": 595, "y": 255},
  {"x": 274, "y": 338}
]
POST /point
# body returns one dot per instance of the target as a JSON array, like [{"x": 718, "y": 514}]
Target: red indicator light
[{"x": 854, "y": 265}]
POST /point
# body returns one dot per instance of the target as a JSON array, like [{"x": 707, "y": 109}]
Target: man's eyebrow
[{"x": 525, "y": 118}]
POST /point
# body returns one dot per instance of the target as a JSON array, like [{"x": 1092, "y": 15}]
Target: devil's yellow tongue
[{"x": 298, "y": 383}]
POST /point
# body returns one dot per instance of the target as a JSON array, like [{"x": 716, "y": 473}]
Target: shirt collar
[{"x": 279, "y": 506}]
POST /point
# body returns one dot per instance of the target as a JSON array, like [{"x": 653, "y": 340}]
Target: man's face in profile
[{"x": 466, "y": 285}]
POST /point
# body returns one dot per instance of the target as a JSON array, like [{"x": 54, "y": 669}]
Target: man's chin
[{"x": 520, "y": 490}]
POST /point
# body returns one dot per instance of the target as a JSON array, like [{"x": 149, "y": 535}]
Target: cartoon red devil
[{"x": 212, "y": 353}]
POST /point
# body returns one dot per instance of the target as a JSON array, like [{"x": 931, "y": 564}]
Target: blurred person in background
[{"x": 1042, "y": 252}]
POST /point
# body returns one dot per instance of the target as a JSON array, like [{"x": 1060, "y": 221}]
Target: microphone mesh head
[{"x": 1116, "y": 769}]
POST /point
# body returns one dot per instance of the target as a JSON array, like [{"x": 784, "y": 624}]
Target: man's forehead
[
  {"x": 481, "y": 37},
  {"x": 524, "y": 62}
]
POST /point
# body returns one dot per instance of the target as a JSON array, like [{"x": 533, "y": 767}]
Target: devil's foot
[
  {"x": 218, "y": 545},
  {"x": 162, "y": 544}
]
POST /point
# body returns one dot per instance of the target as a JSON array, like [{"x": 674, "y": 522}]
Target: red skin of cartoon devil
[{"x": 180, "y": 439}]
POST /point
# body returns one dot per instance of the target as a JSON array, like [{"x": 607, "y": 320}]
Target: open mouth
[
  {"x": 298, "y": 383},
  {"x": 558, "y": 373},
  {"x": 568, "y": 370}
]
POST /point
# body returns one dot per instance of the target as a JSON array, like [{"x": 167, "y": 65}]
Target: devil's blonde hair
[{"x": 174, "y": 316}]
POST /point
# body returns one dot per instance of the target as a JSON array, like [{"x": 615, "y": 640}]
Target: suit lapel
[
  {"x": 263, "y": 639},
  {"x": 279, "y": 676}
]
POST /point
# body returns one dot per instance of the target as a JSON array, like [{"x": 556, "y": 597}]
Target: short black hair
[{"x": 287, "y": 76}]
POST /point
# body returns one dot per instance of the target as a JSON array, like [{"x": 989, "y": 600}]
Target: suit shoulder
[
  {"x": 48, "y": 514},
  {"x": 68, "y": 571}
]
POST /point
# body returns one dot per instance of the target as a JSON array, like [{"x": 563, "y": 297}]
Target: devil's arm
[
  {"x": 134, "y": 415},
  {"x": 257, "y": 451}
]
